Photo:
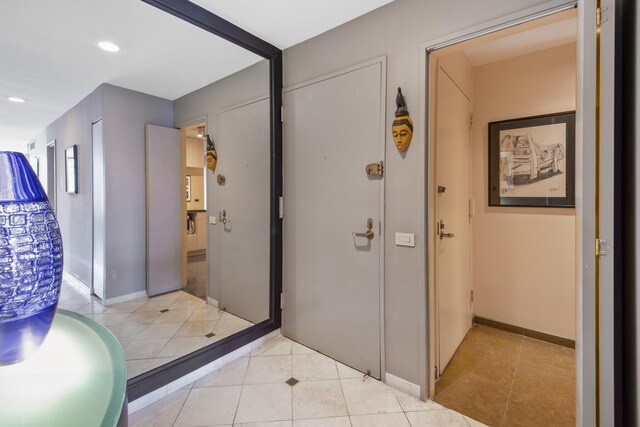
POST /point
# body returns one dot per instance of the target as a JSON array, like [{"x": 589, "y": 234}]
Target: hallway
[{"x": 506, "y": 379}]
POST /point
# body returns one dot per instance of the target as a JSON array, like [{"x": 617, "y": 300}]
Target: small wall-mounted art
[
  {"x": 71, "y": 169},
  {"x": 188, "y": 188},
  {"x": 222, "y": 180},
  {"x": 532, "y": 161},
  {"x": 402, "y": 128},
  {"x": 212, "y": 155}
]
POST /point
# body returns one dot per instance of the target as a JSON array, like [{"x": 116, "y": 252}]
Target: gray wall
[
  {"x": 245, "y": 85},
  {"x": 399, "y": 31},
  {"x": 125, "y": 113},
  {"x": 74, "y": 211}
]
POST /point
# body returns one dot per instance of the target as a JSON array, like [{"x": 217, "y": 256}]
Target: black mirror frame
[{"x": 165, "y": 374}]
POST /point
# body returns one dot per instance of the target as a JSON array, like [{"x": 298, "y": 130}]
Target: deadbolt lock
[{"x": 375, "y": 169}]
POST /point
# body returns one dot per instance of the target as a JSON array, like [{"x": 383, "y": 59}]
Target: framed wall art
[
  {"x": 71, "y": 169},
  {"x": 532, "y": 161}
]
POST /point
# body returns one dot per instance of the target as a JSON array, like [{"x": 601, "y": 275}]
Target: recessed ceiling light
[
  {"x": 108, "y": 46},
  {"x": 14, "y": 99}
]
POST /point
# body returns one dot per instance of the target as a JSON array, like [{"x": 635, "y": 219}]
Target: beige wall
[{"x": 523, "y": 258}]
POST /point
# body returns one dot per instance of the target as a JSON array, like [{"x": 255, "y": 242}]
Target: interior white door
[
  {"x": 453, "y": 286},
  {"x": 243, "y": 201},
  {"x": 164, "y": 209},
  {"x": 99, "y": 207},
  {"x": 333, "y": 128}
]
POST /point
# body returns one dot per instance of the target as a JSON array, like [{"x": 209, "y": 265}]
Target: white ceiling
[
  {"x": 529, "y": 41},
  {"x": 49, "y": 54},
  {"x": 284, "y": 23}
]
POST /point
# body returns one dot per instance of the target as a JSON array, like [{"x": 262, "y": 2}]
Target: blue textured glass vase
[{"x": 30, "y": 260}]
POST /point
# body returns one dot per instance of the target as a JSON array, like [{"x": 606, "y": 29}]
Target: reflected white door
[
  {"x": 241, "y": 248},
  {"x": 333, "y": 128},
  {"x": 164, "y": 209},
  {"x": 453, "y": 274},
  {"x": 99, "y": 207}
]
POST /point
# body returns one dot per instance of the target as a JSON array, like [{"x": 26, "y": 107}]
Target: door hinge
[
  {"x": 472, "y": 296},
  {"x": 471, "y": 122},
  {"x": 601, "y": 247},
  {"x": 435, "y": 372},
  {"x": 472, "y": 208},
  {"x": 281, "y": 300},
  {"x": 375, "y": 169},
  {"x": 281, "y": 207},
  {"x": 601, "y": 17},
  {"x": 282, "y": 113}
]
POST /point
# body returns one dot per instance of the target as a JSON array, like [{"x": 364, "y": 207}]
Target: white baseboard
[
  {"x": 164, "y": 391},
  {"x": 76, "y": 283},
  {"x": 213, "y": 302},
  {"x": 403, "y": 385},
  {"x": 124, "y": 298}
]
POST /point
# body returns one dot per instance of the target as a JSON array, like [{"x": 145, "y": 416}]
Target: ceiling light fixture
[
  {"x": 108, "y": 46},
  {"x": 200, "y": 132},
  {"x": 14, "y": 99}
]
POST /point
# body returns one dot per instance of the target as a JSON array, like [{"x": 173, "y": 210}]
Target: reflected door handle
[
  {"x": 369, "y": 233},
  {"x": 447, "y": 235},
  {"x": 223, "y": 217}
]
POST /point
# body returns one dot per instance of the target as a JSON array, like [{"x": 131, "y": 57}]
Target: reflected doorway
[{"x": 195, "y": 207}]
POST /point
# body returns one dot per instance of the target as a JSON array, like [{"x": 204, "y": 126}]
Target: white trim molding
[{"x": 403, "y": 385}]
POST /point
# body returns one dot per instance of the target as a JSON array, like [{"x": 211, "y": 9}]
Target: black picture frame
[
  {"x": 532, "y": 161},
  {"x": 156, "y": 378},
  {"x": 71, "y": 169}
]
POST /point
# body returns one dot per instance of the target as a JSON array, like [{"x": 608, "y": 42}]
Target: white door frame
[
  {"x": 585, "y": 192},
  {"x": 383, "y": 95}
]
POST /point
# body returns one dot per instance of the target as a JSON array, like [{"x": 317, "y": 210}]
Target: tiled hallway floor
[
  {"x": 505, "y": 379},
  {"x": 253, "y": 391},
  {"x": 154, "y": 331}
]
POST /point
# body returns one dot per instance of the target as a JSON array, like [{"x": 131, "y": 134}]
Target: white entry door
[
  {"x": 240, "y": 239},
  {"x": 453, "y": 276},
  {"x": 164, "y": 210},
  {"x": 333, "y": 128}
]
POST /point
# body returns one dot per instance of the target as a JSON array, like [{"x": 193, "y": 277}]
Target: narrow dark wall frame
[{"x": 202, "y": 18}]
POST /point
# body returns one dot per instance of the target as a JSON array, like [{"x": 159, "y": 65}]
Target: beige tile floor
[
  {"x": 505, "y": 379},
  {"x": 252, "y": 391},
  {"x": 154, "y": 331}
]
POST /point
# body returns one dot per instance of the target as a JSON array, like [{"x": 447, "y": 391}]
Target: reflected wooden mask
[
  {"x": 212, "y": 155},
  {"x": 402, "y": 127}
]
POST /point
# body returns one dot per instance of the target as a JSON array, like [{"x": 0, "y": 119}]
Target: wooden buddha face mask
[
  {"x": 212, "y": 155},
  {"x": 402, "y": 127}
]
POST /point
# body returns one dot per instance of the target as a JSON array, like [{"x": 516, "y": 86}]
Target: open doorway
[
  {"x": 504, "y": 273},
  {"x": 195, "y": 208}
]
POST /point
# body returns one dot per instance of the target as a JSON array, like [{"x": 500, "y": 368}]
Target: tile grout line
[
  {"x": 235, "y": 415},
  {"x": 504, "y": 415},
  {"x": 342, "y": 391},
  {"x": 181, "y": 407},
  {"x": 291, "y": 376}
]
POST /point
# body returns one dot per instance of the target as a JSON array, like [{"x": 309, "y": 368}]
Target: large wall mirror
[{"x": 183, "y": 261}]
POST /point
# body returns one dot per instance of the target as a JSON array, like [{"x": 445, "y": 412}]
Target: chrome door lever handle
[
  {"x": 368, "y": 234},
  {"x": 447, "y": 235}
]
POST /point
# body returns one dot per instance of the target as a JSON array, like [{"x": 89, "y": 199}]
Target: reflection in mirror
[{"x": 166, "y": 275}]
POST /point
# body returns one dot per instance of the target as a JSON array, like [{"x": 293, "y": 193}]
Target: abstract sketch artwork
[{"x": 532, "y": 161}]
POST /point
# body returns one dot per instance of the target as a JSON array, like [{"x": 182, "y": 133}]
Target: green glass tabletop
[{"x": 76, "y": 378}]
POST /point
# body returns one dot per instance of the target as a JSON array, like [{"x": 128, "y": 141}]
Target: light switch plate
[
  {"x": 406, "y": 239},
  {"x": 212, "y": 220}
]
